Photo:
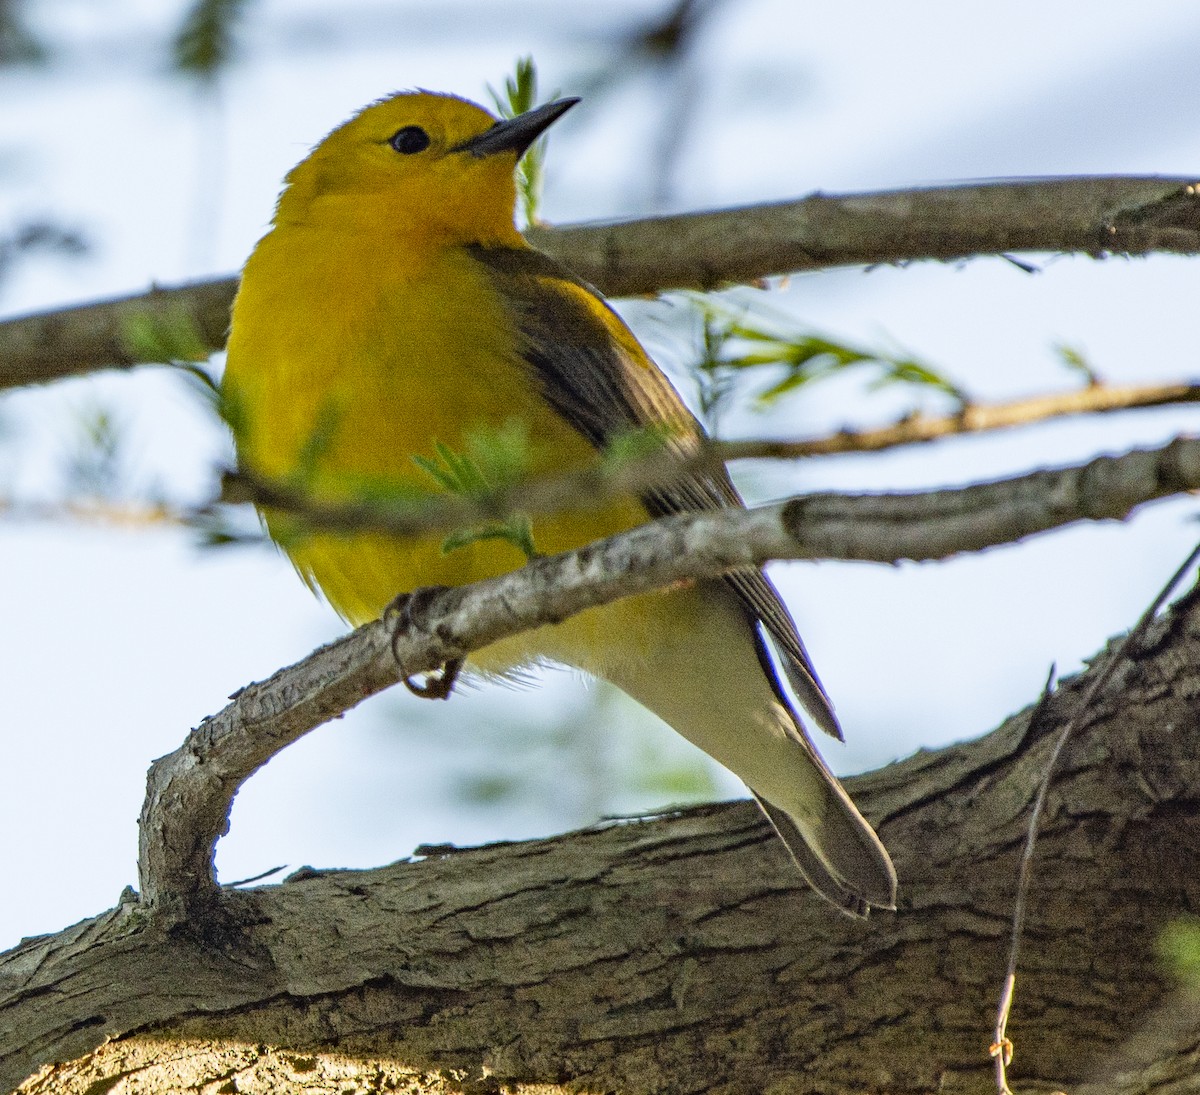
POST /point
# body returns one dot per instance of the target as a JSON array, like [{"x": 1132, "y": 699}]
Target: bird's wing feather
[{"x": 589, "y": 367}]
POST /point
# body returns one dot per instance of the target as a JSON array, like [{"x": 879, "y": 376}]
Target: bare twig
[
  {"x": 1093, "y": 216},
  {"x": 586, "y": 488},
  {"x": 92, "y": 512},
  {"x": 973, "y": 418},
  {"x": 873, "y": 527},
  {"x": 1108, "y": 487},
  {"x": 1001, "y": 1048}
]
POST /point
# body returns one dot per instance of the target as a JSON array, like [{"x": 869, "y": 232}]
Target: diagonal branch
[
  {"x": 190, "y": 791},
  {"x": 584, "y": 489},
  {"x": 872, "y": 527},
  {"x": 1092, "y": 216},
  {"x": 971, "y": 418}
]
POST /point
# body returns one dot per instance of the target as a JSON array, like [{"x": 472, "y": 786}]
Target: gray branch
[
  {"x": 683, "y": 953},
  {"x": 929, "y": 519},
  {"x": 1093, "y": 216},
  {"x": 190, "y": 791}
]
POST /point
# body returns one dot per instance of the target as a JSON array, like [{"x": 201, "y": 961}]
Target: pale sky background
[{"x": 116, "y": 641}]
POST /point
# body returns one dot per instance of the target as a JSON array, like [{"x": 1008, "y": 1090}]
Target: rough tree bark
[{"x": 682, "y": 953}]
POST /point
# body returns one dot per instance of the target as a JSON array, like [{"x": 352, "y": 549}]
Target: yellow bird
[{"x": 392, "y": 312}]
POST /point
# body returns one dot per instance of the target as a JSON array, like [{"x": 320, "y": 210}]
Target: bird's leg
[{"x": 403, "y": 614}]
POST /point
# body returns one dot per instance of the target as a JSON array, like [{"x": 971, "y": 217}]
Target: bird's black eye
[{"x": 409, "y": 140}]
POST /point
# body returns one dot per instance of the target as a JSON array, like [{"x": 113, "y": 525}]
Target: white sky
[{"x": 117, "y": 641}]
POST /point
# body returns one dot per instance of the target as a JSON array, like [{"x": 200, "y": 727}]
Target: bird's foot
[
  {"x": 404, "y": 614},
  {"x": 436, "y": 685}
]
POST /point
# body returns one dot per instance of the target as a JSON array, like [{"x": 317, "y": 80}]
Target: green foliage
[
  {"x": 204, "y": 384},
  {"x": 217, "y": 527},
  {"x": 222, "y": 525},
  {"x": 451, "y": 471},
  {"x": 1179, "y": 948},
  {"x": 515, "y": 529},
  {"x": 606, "y": 758},
  {"x": 673, "y": 779},
  {"x": 493, "y": 459},
  {"x": 520, "y": 90},
  {"x": 520, "y": 94},
  {"x": 315, "y": 447},
  {"x": 287, "y": 529},
  {"x": 1074, "y": 359},
  {"x": 169, "y": 336},
  {"x": 94, "y": 463},
  {"x": 737, "y": 340},
  {"x": 629, "y": 446},
  {"x": 204, "y": 43},
  {"x": 490, "y": 788},
  {"x": 715, "y": 379}
]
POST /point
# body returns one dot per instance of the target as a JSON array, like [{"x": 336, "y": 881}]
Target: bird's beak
[{"x": 516, "y": 134}]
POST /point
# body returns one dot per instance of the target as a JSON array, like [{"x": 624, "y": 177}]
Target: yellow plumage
[{"x": 394, "y": 307}]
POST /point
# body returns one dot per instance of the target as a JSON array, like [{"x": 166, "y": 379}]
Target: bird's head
[{"x": 417, "y": 164}]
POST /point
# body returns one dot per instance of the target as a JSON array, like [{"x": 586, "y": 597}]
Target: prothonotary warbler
[{"x": 392, "y": 313}]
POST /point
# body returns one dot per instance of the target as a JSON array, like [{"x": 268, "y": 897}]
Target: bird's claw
[
  {"x": 402, "y": 615},
  {"x": 436, "y": 685}
]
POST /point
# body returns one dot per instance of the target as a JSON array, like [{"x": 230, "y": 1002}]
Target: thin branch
[
  {"x": 1001, "y": 1046},
  {"x": 873, "y": 527},
  {"x": 87, "y": 511},
  {"x": 1092, "y": 216},
  {"x": 583, "y": 489},
  {"x": 972, "y": 418},
  {"x": 190, "y": 791},
  {"x": 586, "y": 488}
]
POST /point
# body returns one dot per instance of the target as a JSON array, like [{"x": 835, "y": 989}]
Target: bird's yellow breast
[{"x": 348, "y": 356}]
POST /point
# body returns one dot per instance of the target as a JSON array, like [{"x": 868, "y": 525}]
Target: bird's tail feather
[
  {"x": 874, "y": 883},
  {"x": 692, "y": 658}
]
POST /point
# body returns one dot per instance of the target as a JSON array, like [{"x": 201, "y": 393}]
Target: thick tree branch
[
  {"x": 191, "y": 790},
  {"x": 75, "y": 341},
  {"x": 682, "y": 953},
  {"x": 1093, "y": 216}
]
